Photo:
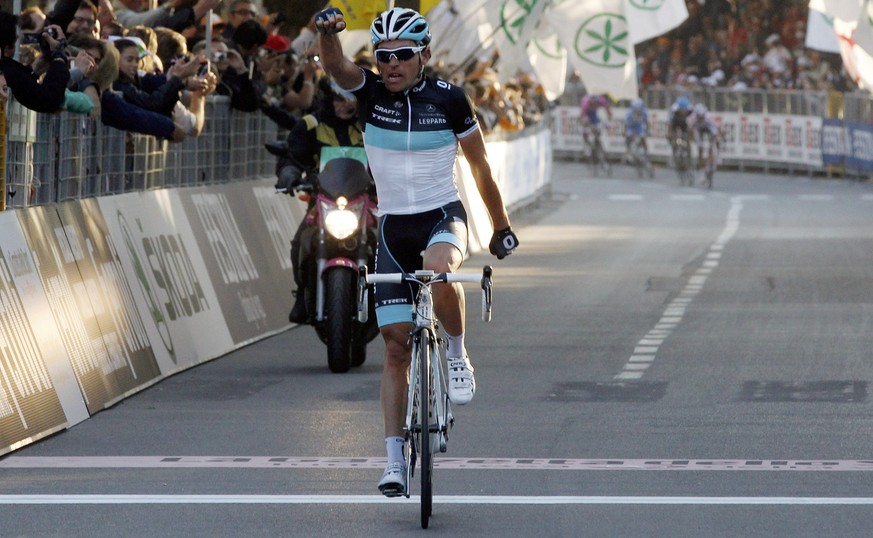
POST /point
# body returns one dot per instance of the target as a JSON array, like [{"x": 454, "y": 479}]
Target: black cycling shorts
[{"x": 402, "y": 242}]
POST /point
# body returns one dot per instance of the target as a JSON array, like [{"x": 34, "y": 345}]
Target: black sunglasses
[{"x": 402, "y": 54}]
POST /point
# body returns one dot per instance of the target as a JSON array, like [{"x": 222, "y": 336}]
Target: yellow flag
[{"x": 359, "y": 14}]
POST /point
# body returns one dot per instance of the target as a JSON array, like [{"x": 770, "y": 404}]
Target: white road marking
[
  {"x": 512, "y": 464},
  {"x": 675, "y": 311},
  {"x": 626, "y": 197},
  {"x": 437, "y": 499}
]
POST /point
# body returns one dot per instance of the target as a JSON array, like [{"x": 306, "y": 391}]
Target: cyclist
[
  {"x": 636, "y": 124},
  {"x": 677, "y": 121},
  {"x": 589, "y": 115},
  {"x": 703, "y": 126},
  {"x": 334, "y": 124},
  {"x": 413, "y": 125}
]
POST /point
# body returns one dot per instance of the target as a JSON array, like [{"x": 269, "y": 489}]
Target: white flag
[
  {"x": 458, "y": 30},
  {"x": 549, "y": 61},
  {"x": 820, "y": 33},
  {"x": 864, "y": 31},
  {"x": 596, "y": 36},
  {"x": 651, "y": 18},
  {"x": 858, "y": 63},
  {"x": 846, "y": 10},
  {"x": 514, "y": 23}
]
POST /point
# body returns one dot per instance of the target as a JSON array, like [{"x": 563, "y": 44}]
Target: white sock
[
  {"x": 455, "y": 346},
  {"x": 394, "y": 447}
]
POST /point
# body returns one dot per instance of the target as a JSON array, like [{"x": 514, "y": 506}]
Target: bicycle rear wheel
[{"x": 425, "y": 400}]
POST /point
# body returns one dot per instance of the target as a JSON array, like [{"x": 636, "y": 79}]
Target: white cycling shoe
[
  {"x": 462, "y": 383},
  {"x": 393, "y": 483}
]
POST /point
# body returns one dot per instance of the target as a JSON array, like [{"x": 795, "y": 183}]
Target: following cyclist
[
  {"x": 707, "y": 135},
  {"x": 589, "y": 115},
  {"x": 677, "y": 122},
  {"x": 335, "y": 123},
  {"x": 636, "y": 125},
  {"x": 413, "y": 125}
]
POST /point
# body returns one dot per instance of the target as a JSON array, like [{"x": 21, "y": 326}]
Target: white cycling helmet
[
  {"x": 700, "y": 109},
  {"x": 400, "y": 23}
]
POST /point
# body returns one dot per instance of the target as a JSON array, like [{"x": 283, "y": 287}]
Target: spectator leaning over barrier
[
  {"x": 190, "y": 111},
  {"x": 238, "y": 12},
  {"x": 84, "y": 21},
  {"x": 175, "y": 14},
  {"x": 151, "y": 92},
  {"x": 46, "y": 94},
  {"x": 290, "y": 83},
  {"x": 120, "y": 114},
  {"x": 148, "y": 63},
  {"x": 243, "y": 81},
  {"x": 31, "y": 19}
]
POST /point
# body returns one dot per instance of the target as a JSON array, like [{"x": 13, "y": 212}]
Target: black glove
[
  {"x": 503, "y": 242},
  {"x": 288, "y": 178},
  {"x": 323, "y": 17}
]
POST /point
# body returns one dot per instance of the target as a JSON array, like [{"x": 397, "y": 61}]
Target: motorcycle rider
[{"x": 335, "y": 123}]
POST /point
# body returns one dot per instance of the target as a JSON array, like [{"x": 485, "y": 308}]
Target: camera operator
[{"x": 41, "y": 95}]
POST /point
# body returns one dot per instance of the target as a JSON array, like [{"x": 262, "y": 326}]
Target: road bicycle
[
  {"x": 707, "y": 160},
  {"x": 428, "y": 409},
  {"x": 597, "y": 155},
  {"x": 639, "y": 157},
  {"x": 682, "y": 161}
]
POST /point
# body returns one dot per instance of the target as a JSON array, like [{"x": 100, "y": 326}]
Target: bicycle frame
[{"x": 428, "y": 409}]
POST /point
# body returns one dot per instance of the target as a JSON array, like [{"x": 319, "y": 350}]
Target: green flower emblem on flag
[
  {"x": 648, "y": 5},
  {"x": 550, "y": 47},
  {"x": 514, "y": 17},
  {"x": 603, "y": 40}
]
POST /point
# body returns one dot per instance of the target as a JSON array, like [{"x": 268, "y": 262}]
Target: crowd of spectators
[
  {"x": 740, "y": 44},
  {"x": 150, "y": 70}
]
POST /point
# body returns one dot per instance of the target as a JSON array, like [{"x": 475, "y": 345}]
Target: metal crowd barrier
[{"x": 56, "y": 157}]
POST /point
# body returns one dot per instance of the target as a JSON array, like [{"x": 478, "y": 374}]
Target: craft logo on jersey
[{"x": 603, "y": 40}]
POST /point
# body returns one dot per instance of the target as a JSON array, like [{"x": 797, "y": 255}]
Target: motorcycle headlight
[{"x": 341, "y": 220}]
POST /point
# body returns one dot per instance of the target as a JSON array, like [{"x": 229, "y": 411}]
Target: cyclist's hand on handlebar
[
  {"x": 330, "y": 21},
  {"x": 503, "y": 243}
]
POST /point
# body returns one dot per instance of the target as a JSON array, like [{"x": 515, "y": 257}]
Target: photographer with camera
[{"x": 45, "y": 94}]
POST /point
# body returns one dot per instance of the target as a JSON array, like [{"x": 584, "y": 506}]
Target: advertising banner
[
  {"x": 859, "y": 154},
  {"x": 104, "y": 374},
  {"x": 170, "y": 281},
  {"x": 39, "y": 394},
  {"x": 775, "y": 138},
  {"x": 244, "y": 230}
]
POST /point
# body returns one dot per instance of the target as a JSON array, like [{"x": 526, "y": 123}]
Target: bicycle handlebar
[{"x": 425, "y": 278}]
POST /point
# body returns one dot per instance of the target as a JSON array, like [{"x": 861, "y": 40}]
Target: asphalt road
[{"x": 663, "y": 361}]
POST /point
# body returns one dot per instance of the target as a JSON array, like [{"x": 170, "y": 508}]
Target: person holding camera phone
[{"x": 45, "y": 94}]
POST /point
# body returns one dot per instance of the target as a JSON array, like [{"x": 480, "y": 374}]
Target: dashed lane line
[{"x": 640, "y": 360}]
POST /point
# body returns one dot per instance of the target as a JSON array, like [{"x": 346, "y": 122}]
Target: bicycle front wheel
[{"x": 428, "y": 421}]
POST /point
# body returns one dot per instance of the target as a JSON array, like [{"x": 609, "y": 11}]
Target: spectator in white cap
[{"x": 777, "y": 57}]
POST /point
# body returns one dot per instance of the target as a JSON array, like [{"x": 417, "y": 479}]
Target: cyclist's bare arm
[
  {"x": 343, "y": 70},
  {"x": 473, "y": 146}
]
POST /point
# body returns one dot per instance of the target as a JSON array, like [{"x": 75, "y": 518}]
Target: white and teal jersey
[{"x": 412, "y": 142}]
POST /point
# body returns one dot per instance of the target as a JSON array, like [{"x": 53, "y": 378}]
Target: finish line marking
[
  {"x": 511, "y": 464},
  {"x": 445, "y": 499}
]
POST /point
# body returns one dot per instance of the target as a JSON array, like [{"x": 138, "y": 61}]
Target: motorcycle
[{"x": 340, "y": 238}]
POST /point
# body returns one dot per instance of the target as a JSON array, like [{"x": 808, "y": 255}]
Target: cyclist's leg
[{"x": 445, "y": 254}]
